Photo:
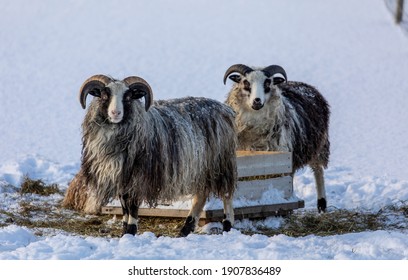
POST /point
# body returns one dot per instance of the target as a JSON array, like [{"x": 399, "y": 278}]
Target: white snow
[
  {"x": 350, "y": 50},
  {"x": 22, "y": 244}
]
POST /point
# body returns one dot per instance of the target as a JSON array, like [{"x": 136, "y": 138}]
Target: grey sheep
[
  {"x": 156, "y": 151},
  {"x": 273, "y": 114}
]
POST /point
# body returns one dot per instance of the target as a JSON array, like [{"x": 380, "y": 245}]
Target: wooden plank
[
  {"x": 253, "y": 190},
  {"x": 263, "y": 163},
  {"x": 260, "y": 211},
  {"x": 149, "y": 212}
]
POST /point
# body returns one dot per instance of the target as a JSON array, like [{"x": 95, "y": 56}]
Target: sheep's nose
[
  {"x": 257, "y": 104},
  {"x": 116, "y": 113}
]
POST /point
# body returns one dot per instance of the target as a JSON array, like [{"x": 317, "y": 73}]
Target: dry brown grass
[
  {"x": 298, "y": 224},
  {"x": 302, "y": 223},
  {"x": 261, "y": 177},
  {"x": 38, "y": 187},
  {"x": 43, "y": 216}
]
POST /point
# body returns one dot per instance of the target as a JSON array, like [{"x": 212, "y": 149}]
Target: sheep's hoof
[
  {"x": 132, "y": 229},
  {"x": 188, "y": 227},
  {"x": 321, "y": 205},
  {"x": 226, "y": 225},
  {"x": 124, "y": 228},
  {"x": 129, "y": 229}
]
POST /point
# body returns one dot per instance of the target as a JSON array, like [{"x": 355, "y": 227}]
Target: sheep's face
[
  {"x": 115, "y": 102},
  {"x": 115, "y": 98},
  {"x": 255, "y": 88}
]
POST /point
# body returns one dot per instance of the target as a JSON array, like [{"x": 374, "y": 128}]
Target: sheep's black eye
[
  {"x": 267, "y": 85},
  {"x": 128, "y": 96},
  {"x": 247, "y": 85},
  {"x": 135, "y": 93},
  {"x": 104, "y": 95}
]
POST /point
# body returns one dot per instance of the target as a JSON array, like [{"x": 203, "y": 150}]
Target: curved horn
[
  {"x": 239, "y": 68},
  {"x": 92, "y": 85},
  {"x": 274, "y": 69},
  {"x": 137, "y": 83}
]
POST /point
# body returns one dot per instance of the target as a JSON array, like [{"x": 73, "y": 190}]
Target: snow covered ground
[{"x": 350, "y": 50}]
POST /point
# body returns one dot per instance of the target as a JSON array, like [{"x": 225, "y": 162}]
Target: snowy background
[{"x": 350, "y": 50}]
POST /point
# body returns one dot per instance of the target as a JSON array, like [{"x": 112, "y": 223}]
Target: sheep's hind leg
[
  {"x": 228, "y": 221},
  {"x": 194, "y": 215},
  {"x": 320, "y": 188}
]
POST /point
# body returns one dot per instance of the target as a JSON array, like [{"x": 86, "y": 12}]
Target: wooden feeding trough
[{"x": 265, "y": 188}]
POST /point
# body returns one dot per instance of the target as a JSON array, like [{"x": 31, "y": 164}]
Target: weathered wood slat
[
  {"x": 259, "y": 211},
  {"x": 148, "y": 212},
  {"x": 254, "y": 189},
  {"x": 263, "y": 163}
]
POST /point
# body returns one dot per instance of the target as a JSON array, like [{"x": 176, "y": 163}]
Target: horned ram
[
  {"x": 274, "y": 114},
  {"x": 156, "y": 151}
]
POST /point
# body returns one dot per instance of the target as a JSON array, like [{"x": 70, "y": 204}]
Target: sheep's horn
[
  {"x": 239, "y": 68},
  {"x": 134, "y": 82},
  {"x": 274, "y": 69},
  {"x": 92, "y": 85}
]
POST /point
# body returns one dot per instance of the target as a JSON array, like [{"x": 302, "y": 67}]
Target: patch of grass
[
  {"x": 401, "y": 208},
  {"x": 28, "y": 210},
  {"x": 260, "y": 177},
  {"x": 332, "y": 223},
  {"x": 8, "y": 218},
  {"x": 296, "y": 225},
  {"x": 45, "y": 216},
  {"x": 29, "y": 185},
  {"x": 85, "y": 225},
  {"x": 161, "y": 226},
  {"x": 405, "y": 211}
]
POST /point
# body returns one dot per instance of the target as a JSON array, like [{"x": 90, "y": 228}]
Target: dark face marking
[
  {"x": 127, "y": 97},
  {"x": 267, "y": 85},
  {"x": 105, "y": 94},
  {"x": 247, "y": 85},
  {"x": 104, "y": 99}
]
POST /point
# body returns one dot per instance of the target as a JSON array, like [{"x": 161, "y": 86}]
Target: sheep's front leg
[
  {"x": 130, "y": 210},
  {"x": 194, "y": 215},
  {"x": 229, "y": 218}
]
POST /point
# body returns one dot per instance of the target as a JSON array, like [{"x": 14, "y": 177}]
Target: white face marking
[
  {"x": 115, "y": 108},
  {"x": 257, "y": 97}
]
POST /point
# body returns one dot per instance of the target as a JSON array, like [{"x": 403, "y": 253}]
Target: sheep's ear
[
  {"x": 278, "y": 80},
  {"x": 136, "y": 94},
  {"x": 93, "y": 86},
  {"x": 95, "y": 92},
  {"x": 277, "y": 73},
  {"x": 140, "y": 88},
  {"x": 235, "y": 78}
]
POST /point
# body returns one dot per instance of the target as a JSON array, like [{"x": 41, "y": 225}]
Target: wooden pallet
[{"x": 258, "y": 173}]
